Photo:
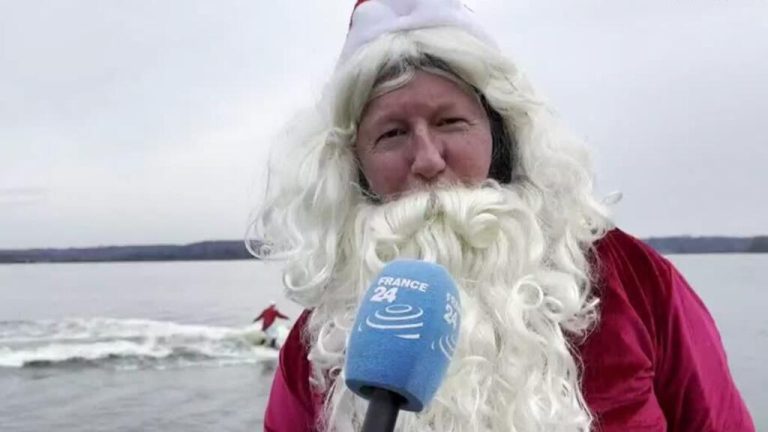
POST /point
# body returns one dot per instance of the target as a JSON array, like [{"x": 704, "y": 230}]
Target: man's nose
[{"x": 428, "y": 156}]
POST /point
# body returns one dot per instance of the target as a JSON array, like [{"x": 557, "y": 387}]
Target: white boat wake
[{"x": 130, "y": 344}]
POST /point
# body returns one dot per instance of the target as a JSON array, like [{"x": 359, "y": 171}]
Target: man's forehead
[
  {"x": 383, "y": 108},
  {"x": 437, "y": 95}
]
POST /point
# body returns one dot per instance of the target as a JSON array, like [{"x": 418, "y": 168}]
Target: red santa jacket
[
  {"x": 655, "y": 361},
  {"x": 268, "y": 317}
]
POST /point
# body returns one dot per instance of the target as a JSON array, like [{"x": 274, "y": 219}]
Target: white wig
[
  {"x": 314, "y": 183},
  {"x": 316, "y": 212}
]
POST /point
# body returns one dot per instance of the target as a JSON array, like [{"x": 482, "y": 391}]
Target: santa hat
[{"x": 373, "y": 18}]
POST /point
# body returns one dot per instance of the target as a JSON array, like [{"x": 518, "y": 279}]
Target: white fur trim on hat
[{"x": 373, "y": 18}]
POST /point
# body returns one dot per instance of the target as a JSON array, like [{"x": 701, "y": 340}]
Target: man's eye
[
  {"x": 450, "y": 121},
  {"x": 391, "y": 134}
]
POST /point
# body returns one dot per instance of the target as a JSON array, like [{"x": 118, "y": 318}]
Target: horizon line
[{"x": 114, "y": 245}]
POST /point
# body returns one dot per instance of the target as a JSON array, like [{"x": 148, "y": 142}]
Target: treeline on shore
[
  {"x": 210, "y": 250},
  {"x": 235, "y": 250},
  {"x": 694, "y": 245}
]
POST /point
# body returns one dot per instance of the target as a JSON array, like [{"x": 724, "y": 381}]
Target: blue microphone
[{"x": 404, "y": 336}]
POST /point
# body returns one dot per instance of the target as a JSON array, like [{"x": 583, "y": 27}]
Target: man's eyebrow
[
  {"x": 446, "y": 104},
  {"x": 385, "y": 115},
  {"x": 376, "y": 119}
]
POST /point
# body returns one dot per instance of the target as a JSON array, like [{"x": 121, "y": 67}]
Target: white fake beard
[{"x": 512, "y": 370}]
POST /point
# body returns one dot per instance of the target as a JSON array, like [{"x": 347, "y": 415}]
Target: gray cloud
[
  {"x": 149, "y": 122},
  {"x": 21, "y": 196}
]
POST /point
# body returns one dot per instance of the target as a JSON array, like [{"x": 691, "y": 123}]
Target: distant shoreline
[
  {"x": 202, "y": 251},
  {"x": 223, "y": 250}
]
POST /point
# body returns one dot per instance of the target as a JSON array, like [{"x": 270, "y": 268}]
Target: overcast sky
[{"x": 132, "y": 122}]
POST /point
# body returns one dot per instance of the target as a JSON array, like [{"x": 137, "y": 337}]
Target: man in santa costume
[
  {"x": 430, "y": 144},
  {"x": 268, "y": 316}
]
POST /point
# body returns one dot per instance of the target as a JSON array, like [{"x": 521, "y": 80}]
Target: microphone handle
[{"x": 383, "y": 407}]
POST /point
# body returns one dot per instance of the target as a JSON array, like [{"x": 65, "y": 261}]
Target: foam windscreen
[{"x": 405, "y": 333}]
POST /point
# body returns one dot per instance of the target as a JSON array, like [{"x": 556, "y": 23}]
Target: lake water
[{"x": 165, "y": 346}]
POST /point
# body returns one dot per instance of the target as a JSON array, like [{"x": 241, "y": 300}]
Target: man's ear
[{"x": 365, "y": 188}]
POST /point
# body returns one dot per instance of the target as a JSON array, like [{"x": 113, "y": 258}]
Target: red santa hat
[{"x": 373, "y": 18}]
